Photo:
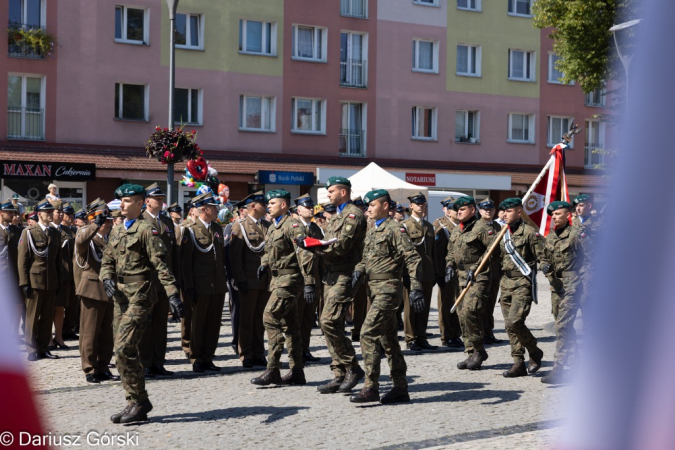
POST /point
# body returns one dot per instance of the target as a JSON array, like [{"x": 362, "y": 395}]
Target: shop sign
[
  {"x": 274, "y": 177},
  {"x": 421, "y": 179},
  {"x": 48, "y": 170}
]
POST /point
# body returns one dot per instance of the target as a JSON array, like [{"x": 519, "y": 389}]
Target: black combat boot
[
  {"x": 396, "y": 395},
  {"x": 332, "y": 386},
  {"x": 138, "y": 412},
  {"x": 270, "y": 376},
  {"x": 464, "y": 364},
  {"x": 365, "y": 395},
  {"x": 475, "y": 361},
  {"x": 352, "y": 379},
  {"x": 115, "y": 418},
  {"x": 555, "y": 376},
  {"x": 516, "y": 370},
  {"x": 294, "y": 377},
  {"x": 535, "y": 360}
]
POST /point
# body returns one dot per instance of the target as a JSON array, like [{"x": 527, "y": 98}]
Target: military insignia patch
[
  {"x": 352, "y": 216},
  {"x": 537, "y": 234},
  {"x": 348, "y": 228},
  {"x": 166, "y": 229},
  {"x": 217, "y": 235},
  {"x": 403, "y": 230},
  {"x": 184, "y": 239},
  {"x": 155, "y": 232},
  {"x": 295, "y": 225},
  {"x": 20, "y": 241},
  {"x": 583, "y": 235},
  {"x": 491, "y": 232}
]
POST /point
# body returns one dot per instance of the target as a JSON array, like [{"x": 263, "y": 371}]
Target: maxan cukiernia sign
[{"x": 48, "y": 170}]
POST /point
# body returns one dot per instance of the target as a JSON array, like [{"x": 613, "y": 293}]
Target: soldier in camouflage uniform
[
  {"x": 468, "y": 243},
  {"x": 387, "y": 250},
  {"x": 133, "y": 256},
  {"x": 518, "y": 253},
  {"x": 565, "y": 249},
  {"x": 486, "y": 209},
  {"x": 291, "y": 269},
  {"x": 588, "y": 224}
]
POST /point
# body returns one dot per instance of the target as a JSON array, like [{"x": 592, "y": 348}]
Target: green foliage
[{"x": 34, "y": 37}]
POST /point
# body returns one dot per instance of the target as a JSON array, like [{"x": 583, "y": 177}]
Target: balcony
[
  {"x": 29, "y": 41},
  {"x": 593, "y": 156},
  {"x": 352, "y": 143},
  {"x": 354, "y": 73},
  {"x": 25, "y": 124},
  {"x": 354, "y": 8}
]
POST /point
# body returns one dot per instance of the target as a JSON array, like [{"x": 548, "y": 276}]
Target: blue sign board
[{"x": 274, "y": 177}]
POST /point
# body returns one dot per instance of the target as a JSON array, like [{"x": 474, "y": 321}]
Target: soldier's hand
[
  {"x": 546, "y": 268},
  {"x": 300, "y": 241},
  {"x": 440, "y": 281},
  {"x": 110, "y": 287},
  {"x": 469, "y": 277},
  {"x": 356, "y": 278},
  {"x": 449, "y": 274},
  {"x": 261, "y": 272},
  {"x": 100, "y": 219},
  {"x": 310, "y": 294},
  {"x": 177, "y": 307},
  {"x": 416, "y": 298},
  {"x": 192, "y": 294},
  {"x": 242, "y": 287},
  {"x": 27, "y": 290}
]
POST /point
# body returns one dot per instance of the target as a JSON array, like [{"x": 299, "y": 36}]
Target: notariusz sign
[
  {"x": 48, "y": 170},
  {"x": 274, "y": 177}
]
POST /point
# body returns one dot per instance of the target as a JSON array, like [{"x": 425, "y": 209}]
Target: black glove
[
  {"x": 310, "y": 294},
  {"x": 261, "y": 272},
  {"x": 449, "y": 274},
  {"x": 192, "y": 294},
  {"x": 110, "y": 287},
  {"x": 469, "y": 277},
  {"x": 100, "y": 219},
  {"x": 300, "y": 241},
  {"x": 406, "y": 282},
  {"x": 177, "y": 307},
  {"x": 417, "y": 300},
  {"x": 440, "y": 281},
  {"x": 546, "y": 268},
  {"x": 356, "y": 279},
  {"x": 27, "y": 290},
  {"x": 242, "y": 287}
]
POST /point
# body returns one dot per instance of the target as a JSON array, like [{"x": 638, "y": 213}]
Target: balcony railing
[
  {"x": 593, "y": 158},
  {"x": 352, "y": 143},
  {"x": 354, "y": 8},
  {"x": 19, "y": 44},
  {"x": 25, "y": 123},
  {"x": 354, "y": 73}
]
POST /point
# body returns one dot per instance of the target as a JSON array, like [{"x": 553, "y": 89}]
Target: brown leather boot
[
  {"x": 294, "y": 377},
  {"x": 475, "y": 361},
  {"x": 463, "y": 364},
  {"x": 555, "y": 376},
  {"x": 516, "y": 370},
  {"x": 365, "y": 395},
  {"x": 352, "y": 379},
  {"x": 270, "y": 376},
  {"x": 138, "y": 412},
  {"x": 332, "y": 386},
  {"x": 535, "y": 360},
  {"x": 396, "y": 395},
  {"x": 115, "y": 418}
]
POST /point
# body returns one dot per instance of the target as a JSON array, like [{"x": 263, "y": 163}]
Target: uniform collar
[
  {"x": 44, "y": 228},
  {"x": 342, "y": 206},
  {"x": 379, "y": 222}
]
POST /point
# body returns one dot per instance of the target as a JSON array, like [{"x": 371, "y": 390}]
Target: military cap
[
  {"x": 293, "y": 209},
  {"x": 554, "y": 206},
  {"x": 332, "y": 181},
  {"x": 463, "y": 201},
  {"x": 175, "y": 207},
  {"x": 95, "y": 205},
  {"x": 510, "y": 203},
  {"x": 448, "y": 201},
  {"x": 393, "y": 205},
  {"x": 128, "y": 190},
  {"x": 15, "y": 196},
  {"x": 487, "y": 204},
  {"x": 400, "y": 209},
  {"x": 581, "y": 198},
  {"x": 358, "y": 201},
  {"x": 329, "y": 208},
  {"x": 418, "y": 198},
  {"x": 68, "y": 208},
  {"x": 57, "y": 204},
  {"x": 372, "y": 195},
  {"x": 278, "y": 193},
  {"x": 255, "y": 197},
  {"x": 116, "y": 213},
  {"x": 32, "y": 216},
  {"x": 44, "y": 205},
  {"x": 154, "y": 191},
  {"x": 80, "y": 214},
  {"x": 204, "y": 199},
  {"x": 319, "y": 215},
  {"x": 8, "y": 206},
  {"x": 304, "y": 200}
]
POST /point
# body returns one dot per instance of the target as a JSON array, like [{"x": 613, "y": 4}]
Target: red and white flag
[{"x": 551, "y": 188}]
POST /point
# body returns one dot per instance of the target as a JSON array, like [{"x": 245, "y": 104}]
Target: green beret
[
  {"x": 332, "y": 181},
  {"x": 582, "y": 198},
  {"x": 279, "y": 193},
  {"x": 554, "y": 206},
  {"x": 372, "y": 195},
  {"x": 127, "y": 190},
  {"x": 463, "y": 201},
  {"x": 510, "y": 203}
]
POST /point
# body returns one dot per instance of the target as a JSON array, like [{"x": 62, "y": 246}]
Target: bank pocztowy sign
[{"x": 48, "y": 171}]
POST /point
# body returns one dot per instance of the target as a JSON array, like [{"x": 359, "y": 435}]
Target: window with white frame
[
  {"x": 555, "y": 75},
  {"x": 595, "y": 98},
  {"x": 470, "y": 5},
  {"x": 354, "y": 8},
  {"x": 521, "y": 65},
  {"x": 131, "y": 25},
  {"x": 595, "y": 140},
  {"x": 426, "y": 2},
  {"x": 258, "y": 38},
  {"x": 467, "y": 126},
  {"x": 468, "y": 60},
  {"x": 520, "y": 7},
  {"x": 521, "y": 128},
  {"x": 425, "y": 56},
  {"x": 187, "y": 106},
  {"x": 309, "y": 43},
  {"x": 557, "y": 126},
  {"x": 25, "y": 107},
  {"x": 131, "y": 101},
  {"x": 424, "y": 123},
  {"x": 257, "y": 113},
  {"x": 189, "y": 31},
  {"x": 309, "y": 115},
  {"x": 353, "y": 129},
  {"x": 27, "y": 13}
]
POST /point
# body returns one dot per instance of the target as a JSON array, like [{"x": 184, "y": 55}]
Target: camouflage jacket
[
  {"x": 349, "y": 227},
  {"x": 387, "y": 249},
  {"x": 530, "y": 246},
  {"x": 422, "y": 236},
  {"x": 565, "y": 250},
  {"x": 468, "y": 242},
  {"x": 590, "y": 227},
  {"x": 288, "y": 264}
]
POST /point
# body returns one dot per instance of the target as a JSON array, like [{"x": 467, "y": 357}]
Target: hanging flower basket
[
  {"x": 172, "y": 146},
  {"x": 35, "y": 38}
]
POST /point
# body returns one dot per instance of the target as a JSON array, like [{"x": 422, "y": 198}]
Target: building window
[
  {"x": 470, "y": 5},
  {"x": 353, "y": 64},
  {"x": 521, "y": 128},
  {"x": 187, "y": 106},
  {"x": 353, "y": 130},
  {"x": 468, "y": 60},
  {"x": 595, "y": 141},
  {"x": 131, "y": 101},
  {"x": 595, "y": 98},
  {"x": 467, "y": 126},
  {"x": 131, "y": 25},
  {"x": 26, "y": 13},
  {"x": 554, "y": 75},
  {"x": 426, "y": 2},
  {"x": 520, "y": 8},
  {"x": 309, "y": 43},
  {"x": 189, "y": 31},
  {"x": 557, "y": 126},
  {"x": 425, "y": 56},
  {"x": 25, "y": 107},
  {"x": 258, "y": 38},
  {"x": 424, "y": 123},
  {"x": 354, "y": 8},
  {"x": 521, "y": 65},
  {"x": 308, "y": 115},
  {"x": 257, "y": 113}
]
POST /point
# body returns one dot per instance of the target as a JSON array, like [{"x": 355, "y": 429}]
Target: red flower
[
  {"x": 166, "y": 129},
  {"x": 171, "y": 156},
  {"x": 166, "y": 154},
  {"x": 201, "y": 152},
  {"x": 194, "y": 132},
  {"x": 157, "y": 128}
]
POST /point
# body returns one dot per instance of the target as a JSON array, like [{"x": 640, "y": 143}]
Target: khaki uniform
[
  {"x": 448, "y": 322},
  {"x": 204, "y": 271},
  {"x": 340, "y": 258},
  {"x": 39, "y": 265},
  {"x": 387, "y": 250},
  {"x": 134, "y": 257},
  {"x": 493, "y": 290},
  {"x": 590, "y": 227},
  {"x": 9, "y": 239},
  {"x": 246, "y": 250},
  {"x": 96, "y": 317}
]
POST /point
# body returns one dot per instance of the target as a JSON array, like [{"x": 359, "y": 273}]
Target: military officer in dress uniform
[
  {"x": 487, "y": 214},
  {"x": 71, "y": 322},
  {"x": 247, "y": 246},
  {"x": 66, "y": 294},
  {"x": 39, "y": 265},
  {"x": 9, "y": 237},
  {"x": 80, "y": 218},
  {"x": 176, "y": 213},
  {"x": 118, "y": 218},
  {"x": 133, "y": 258}
]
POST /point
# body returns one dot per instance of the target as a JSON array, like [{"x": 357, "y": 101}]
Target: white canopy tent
[{"x": 374, "y": 177}]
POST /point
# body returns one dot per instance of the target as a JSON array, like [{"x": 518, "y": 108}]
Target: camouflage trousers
[
  {"x": 133, "y": 306},
  {"x": 338, "y": 298},
  {"x": 565, "y": 296},
  {"x": 281, "y": 323},
  {"x": 471, "y": 314},
  {"x": 380, "y": 329},
  {"x": 448, "y": 323},
  {"x": 516, "y": 301}
]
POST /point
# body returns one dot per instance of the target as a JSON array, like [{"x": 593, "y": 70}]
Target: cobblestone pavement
[{"x": 449, "y": 409}]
